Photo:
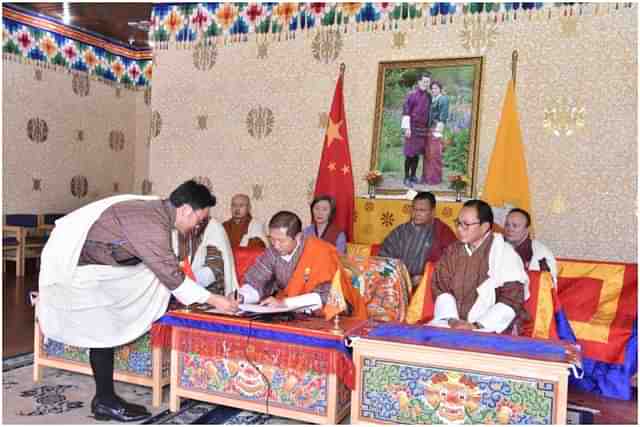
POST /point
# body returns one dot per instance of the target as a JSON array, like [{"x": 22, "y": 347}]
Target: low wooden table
[
  {"x": 453, "y": 378},
  {"x": 292, "y": 369}
]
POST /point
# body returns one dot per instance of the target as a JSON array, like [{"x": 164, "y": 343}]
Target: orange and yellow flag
[
  {"x": 336, "y": 302},
  {"x": 507, "y": 182}
]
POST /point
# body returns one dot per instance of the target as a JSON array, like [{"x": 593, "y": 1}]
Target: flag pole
[{"x": 514, "y": 67}]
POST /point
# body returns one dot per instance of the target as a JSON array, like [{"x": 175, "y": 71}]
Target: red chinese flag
[{"x": 335, "y": 177}]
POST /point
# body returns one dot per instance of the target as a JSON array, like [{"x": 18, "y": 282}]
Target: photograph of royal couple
[{"x": 424, "y": 140}]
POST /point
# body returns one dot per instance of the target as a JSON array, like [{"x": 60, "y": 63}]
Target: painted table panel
[
  {"x": 257, "y": 374},
  {"x": 403, "y": 382},
  {"x": 417, "y": 394}
]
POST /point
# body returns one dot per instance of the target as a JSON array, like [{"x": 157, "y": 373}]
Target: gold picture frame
[{"x": 450, "y": 136}]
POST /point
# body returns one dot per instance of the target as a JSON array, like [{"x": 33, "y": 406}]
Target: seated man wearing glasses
[
  {"x": 295, "y": 271},
  {"x": 480, "y": 281},
  {"x": 422, "y": 239}
]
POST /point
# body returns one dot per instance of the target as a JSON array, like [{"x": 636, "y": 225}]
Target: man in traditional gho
[
  {"x": 108, "y": 271},
  {"x": 534, "y": 254},
  {"x": 415, "y": 125},
  {"x": 241, "y": 228},
  {"x": 422, "y": 239},
  {"x": 480, "y": 281},
  {"x": 210, "y": 255},
  {"x": 296, "y": 271}
]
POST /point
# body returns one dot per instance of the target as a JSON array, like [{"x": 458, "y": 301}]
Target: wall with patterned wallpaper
[
  {"x": 142, "y": 142},
  {"x": 583, "y": 185},
  {"x": 68, "y": 140}
]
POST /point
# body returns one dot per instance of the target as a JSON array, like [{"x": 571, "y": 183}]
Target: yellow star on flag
[
  {"x": 345, "y": 169},
  {"x": 333, "y": 131},
  {"x": 332, "y": 166}
]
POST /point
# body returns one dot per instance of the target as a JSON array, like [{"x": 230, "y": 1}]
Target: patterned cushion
[{"x": 384, "y": 284}]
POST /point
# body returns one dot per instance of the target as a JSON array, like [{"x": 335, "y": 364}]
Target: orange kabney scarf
[{"x": 318, "y": 264}]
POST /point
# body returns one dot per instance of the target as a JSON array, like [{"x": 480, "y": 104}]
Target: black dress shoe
[
  {"x": 134, "y": 408},
  {"x": 113, "y": 409}
]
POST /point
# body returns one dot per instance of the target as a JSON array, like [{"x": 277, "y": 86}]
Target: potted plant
[{"x": 373, "y": 178}]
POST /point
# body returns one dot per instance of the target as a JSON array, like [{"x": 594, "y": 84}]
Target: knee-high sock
[{"x": 102, "y": 366}]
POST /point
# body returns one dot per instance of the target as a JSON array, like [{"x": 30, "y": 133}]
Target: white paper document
[{"x": 257, "y": 308}]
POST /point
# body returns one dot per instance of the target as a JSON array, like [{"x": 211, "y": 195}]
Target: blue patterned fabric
[{"x": 472, "y": 341}]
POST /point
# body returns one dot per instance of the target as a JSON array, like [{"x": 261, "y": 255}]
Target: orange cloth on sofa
[
  {"x": 421, "y": 306},
  {"x": 318, "y": 264}
]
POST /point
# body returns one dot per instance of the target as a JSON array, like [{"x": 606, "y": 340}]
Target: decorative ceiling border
[
  {"x": 32, "y": 38},
  {"x": 184, "y": 24}
]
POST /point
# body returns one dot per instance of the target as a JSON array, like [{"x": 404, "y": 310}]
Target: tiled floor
[{"x": 18, "y": 338}]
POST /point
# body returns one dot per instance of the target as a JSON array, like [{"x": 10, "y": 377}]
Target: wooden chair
[
  {"x": 26, "y": 223},
  {"x": 48, "y": 221},
  {"x": 12, "y": 239}
]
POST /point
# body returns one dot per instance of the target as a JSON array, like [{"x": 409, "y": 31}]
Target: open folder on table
[
  {"x": 265, "y": 309},
  {"x": 248, "y": 310}
]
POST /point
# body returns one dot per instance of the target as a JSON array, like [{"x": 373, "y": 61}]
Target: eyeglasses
[{"x": 464, "y": 225}]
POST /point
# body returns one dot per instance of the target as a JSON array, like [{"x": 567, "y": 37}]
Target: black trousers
[
  {"x": 102, "y": 366},
  {"x": 411, "y": 166}
]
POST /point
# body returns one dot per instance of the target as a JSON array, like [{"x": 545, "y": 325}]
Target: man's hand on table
[
  {"x": 223, "y": 303},
  {"x": 460, "y": 324}
]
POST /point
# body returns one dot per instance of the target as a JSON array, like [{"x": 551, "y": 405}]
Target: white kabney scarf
[
  {"x": 215, "y": 235},
  {"x": 505, "y": 265},
  {"x": 94, "y": 305},
  {"x": 255, "y": 229}
]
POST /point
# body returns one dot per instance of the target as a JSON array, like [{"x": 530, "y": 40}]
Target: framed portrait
[{"x": 426, "y": 125}]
